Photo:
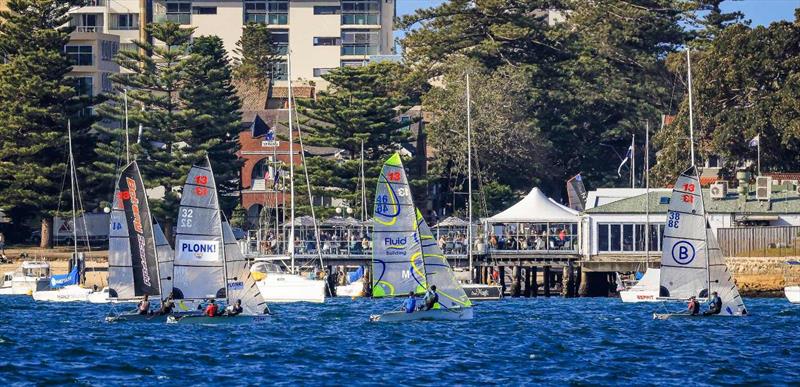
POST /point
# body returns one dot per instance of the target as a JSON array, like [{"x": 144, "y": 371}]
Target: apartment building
[
  {"x": 321, "y": 34},
  {"x": 92, "y": 56}
]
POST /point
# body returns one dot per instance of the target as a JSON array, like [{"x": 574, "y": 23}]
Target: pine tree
[
  {"x": 210, "y": 95},
  {"x": 36, "y": 100},
  {"x": 154, "y": 84},
  {"x": 257, "y": 53},
  {"x": 359, "y": 105}
]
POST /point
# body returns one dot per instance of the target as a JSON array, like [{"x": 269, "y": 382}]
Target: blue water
[{"x": 511, "y": 342}]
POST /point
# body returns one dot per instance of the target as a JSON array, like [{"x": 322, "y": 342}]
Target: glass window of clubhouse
[{"x": 628, "y": 237}]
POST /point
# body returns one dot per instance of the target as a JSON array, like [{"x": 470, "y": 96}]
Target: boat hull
[
  {"x": 792, "y": 294},
  {"x": 667, "y": 316},
  {"x": 282, "y": 287},
  {"x": 26, "y": 286},
  {"x": 71, "y": 293},
  {"x": 219, "y": 320},
  {"x": 424, "y": 315},
  {"x": 636, "y": 296},
  {"x": 135, "y": 317},
  {"x": 355, "y": 289},
  {"x": 481, "y": 292}
]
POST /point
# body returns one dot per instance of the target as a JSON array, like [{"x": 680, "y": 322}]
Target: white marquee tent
[{"x": 535, "y": 207}]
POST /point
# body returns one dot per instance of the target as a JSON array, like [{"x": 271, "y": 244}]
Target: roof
[
  {"x": 535, "y": 207},
  {"x": 602, "y": 196},
  {"x": 254, "y": 94},
  {"x": 785, "y": 202}
]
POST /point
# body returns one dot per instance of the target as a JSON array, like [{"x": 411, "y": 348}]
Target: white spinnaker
[
  {"x": 722, "y": 280},
  {"x": 199, "y": 266},
  {"x": 241, "y": 283},
  {"x": 684, "y": 271}
]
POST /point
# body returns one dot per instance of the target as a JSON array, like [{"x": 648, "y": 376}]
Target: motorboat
[
  {"x": 276, "y": 285},
  {"x": 30, "y": 276},
  {"x": 644, "y": 290}
]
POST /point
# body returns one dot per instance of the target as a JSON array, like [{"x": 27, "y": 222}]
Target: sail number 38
[{"x": 673, "y": 220}]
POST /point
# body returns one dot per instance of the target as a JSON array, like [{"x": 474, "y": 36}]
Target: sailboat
[
  {"x": 139, "y": 257},
  {"x": 278, "y": 285},
  {"x": 207, "y": 262},
  {"x": 692, "y": 263},
  {"x": 406, "y": 257},
  {"x": 68, "y": 287}
]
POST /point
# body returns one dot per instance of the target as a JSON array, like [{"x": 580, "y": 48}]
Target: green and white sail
[
  {"x": 241, "y": 282},
  {"x": 722, "y": 280},
  {"x": 438, "y": 271},
  {"x": 684, "y": 259},
  {"x": 199, "y": 266},
  {"x": 397, "y": 263}
]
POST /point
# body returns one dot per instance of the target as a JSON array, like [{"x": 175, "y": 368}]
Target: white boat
[
  {"x": 208, "y": 262},
  {"x": 406, "y": 258},
  {"x": 69, "y": 293},
  {"x": 692, "y": 264},
  {"x": 645, "y": 290},
  {"x": 278, "y": 286},
  {"x": 483, "y": 292},
  {"x": 30, "y": 276},
  {"x": 792, "y": 294},
  {"x": 353, "y": 289}
]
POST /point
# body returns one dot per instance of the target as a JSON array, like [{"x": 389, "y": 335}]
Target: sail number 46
[{"x": 673, "y": 220}]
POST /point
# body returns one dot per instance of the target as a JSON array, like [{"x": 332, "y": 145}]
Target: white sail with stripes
[
  {"x": 684, "y": 259},
  {"x": 722, "y": 280},
  {"x": 438, "y": 271},
  {"x": 241, "y": 282},
  {"x": 199, "y": 267}
]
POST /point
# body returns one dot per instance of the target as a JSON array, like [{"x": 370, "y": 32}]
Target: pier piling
[
  {"x": 502, "y": 270},
  {"x": 527, "y": 292},
  {"x": 547, "y": 281},
  {"x": 534, "y": 282},
  {"x": 516, "y": 285}
]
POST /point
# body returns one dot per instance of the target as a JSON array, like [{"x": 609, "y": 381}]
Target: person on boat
[
  {"x": 144, "y": 305},
  {"x": 167, "y": 306},
  {"x": 694, "y": 306},
  {"x": 235, "y": 309},
  {"x": 410, "y": 303},
  {"x": 211, "y": 309},
  {"x": 714, "y": 305},
  {"x": 431, "y": 298}
]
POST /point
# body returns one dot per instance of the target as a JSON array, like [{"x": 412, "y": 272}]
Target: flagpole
[
  {"x": 758, "y": 154},
  {"x": 633, "y": 161},
  {"x": 691, "y": 116},
  {"x": 647, "y": 190}
]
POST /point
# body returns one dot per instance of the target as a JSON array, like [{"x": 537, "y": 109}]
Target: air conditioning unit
[
  {"x": 763, "y": 187},
  {"x": 719, "y": 190}
]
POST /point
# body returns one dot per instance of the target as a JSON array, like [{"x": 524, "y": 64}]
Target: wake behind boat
[{"x": 406, "y": 258}]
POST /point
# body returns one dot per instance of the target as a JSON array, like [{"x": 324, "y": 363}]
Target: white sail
[
  {"x": 120, "y": 265},
  {"x": 199, "y": 266},
  {"x": 438, "y": 271},
  {"x": 722, "y": 280},
  {"x": 165, "y": 256},
  {"x": 241, "y": 281},
  {"x": 684, "y": 262}
]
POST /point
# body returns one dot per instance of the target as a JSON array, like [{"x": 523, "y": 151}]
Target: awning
[{"x": 536, "y": 207}]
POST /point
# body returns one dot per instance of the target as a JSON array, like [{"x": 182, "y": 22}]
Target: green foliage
[
  {"x": 257, "y": 53},
  {"x": 36, "y": 100},
  {"x": 239, "y": 217},
  {"x": 359, "y": 105}
]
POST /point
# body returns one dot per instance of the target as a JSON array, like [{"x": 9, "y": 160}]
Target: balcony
[
  {"x": 89, "y": 28},
  {"x": 360, "y": 19},
  {"x": 180, "y": 18}
]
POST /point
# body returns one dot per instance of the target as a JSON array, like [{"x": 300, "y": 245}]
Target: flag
[
  {"x": 755, "y": 141},
  {"x": 625, "y": 160},
  {"x": 275, "y": 178}
]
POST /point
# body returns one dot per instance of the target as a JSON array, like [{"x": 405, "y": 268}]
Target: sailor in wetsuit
[
  {"x": 431, "y": 298},
  {"x": 714, "y": 305},
  {"x": 235, "y": 309},
  {"x": 410, "y": 303},
  {"x": 694, "y": 306},
  {"x": 144, "y": 305}
]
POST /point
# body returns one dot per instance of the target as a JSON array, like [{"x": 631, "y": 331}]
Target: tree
[
  {"x": 210, "y": 96},
  {"x": 154, "y": 85},
  {"x": 358, "y": 106},
  {"x": 258, "y": 54},
  {"x": 36, "y": 100}
]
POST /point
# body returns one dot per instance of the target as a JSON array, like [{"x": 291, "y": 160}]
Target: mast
[
  {"x": 647, "y": 190},
  {"x": 127, "y": 136},
  {"x": 469, "y": 180},
  {"x": 691, "y": 115},
  {"x": 633, "y": 161},
  {"x": 363, "y": 187},
  {"x": 72, "y": 191},
  {"x": 291, "y": 161}
]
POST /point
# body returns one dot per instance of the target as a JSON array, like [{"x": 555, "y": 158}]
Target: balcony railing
[
  {"x": 180, "y": 18},
  {"x": 360, "y": 19},
  {"x": 89, "y": 28},
  {"x": 95, "y": 3}
]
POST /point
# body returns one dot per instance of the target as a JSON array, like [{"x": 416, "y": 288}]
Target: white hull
[
  {"x": 636, "y": 295},
  {"x": 433, "y": 314},
  {"x": 792, "y": 294},
  {"x": 481, "y": 292},
  {"x": 71, "y": 293},
  {"x": 355, "y": 289},
  {"x": 282, "y": 287},
  {"x": 25, "y": 286}
]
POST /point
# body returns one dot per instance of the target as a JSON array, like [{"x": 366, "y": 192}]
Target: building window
[
  {"x": 361, "y": 12},
  {"x": 79, "y": 55},
  {"x": 83, "y": 86},
  {"x": 128, "y": 47},
  {"x": 318, "y": 72},
  {"x": 204, "y": 10},
  {"x": 278, "y": 11},
  {"x": 360, "y": 42},
  {"x": 108, "y": 49},
  {"x": 353, "y": 63},
  {"x": 87, "y": 22},
  {"x": 326, "y": 10},
  {"x": 105, "y": 82},
  {"x": 628, "y": 237},
  {"x": 255, "y": 12},
  {"x": 280, "y": 41},
  {"x": 125, "y": 21},
  {"x": 280, "y": 71},
  {"x": 325, "y": 41},
  {"x": 179, "y": 12}
]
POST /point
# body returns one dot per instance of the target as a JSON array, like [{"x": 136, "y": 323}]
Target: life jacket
[{"x": 211, "y": 310}]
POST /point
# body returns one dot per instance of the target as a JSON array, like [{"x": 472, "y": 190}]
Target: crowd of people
[{"x": 557, "y": 239}]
